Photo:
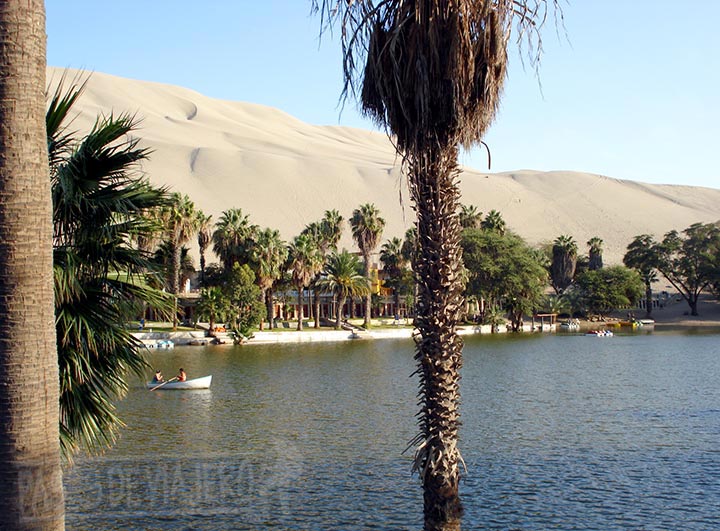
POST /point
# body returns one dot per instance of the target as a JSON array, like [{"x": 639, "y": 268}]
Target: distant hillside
[{"x": 285, "y": 173}]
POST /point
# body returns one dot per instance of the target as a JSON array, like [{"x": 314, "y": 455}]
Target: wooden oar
[{"x": 157, "y": 386}]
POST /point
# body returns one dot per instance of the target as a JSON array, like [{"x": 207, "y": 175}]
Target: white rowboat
[{"x": 195, "y": 383}]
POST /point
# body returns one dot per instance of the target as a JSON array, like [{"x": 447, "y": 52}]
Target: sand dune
[{"x": 285, "y": 173}]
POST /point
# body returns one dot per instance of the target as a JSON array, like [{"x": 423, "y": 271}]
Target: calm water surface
[{"x": 560, "y": 432}]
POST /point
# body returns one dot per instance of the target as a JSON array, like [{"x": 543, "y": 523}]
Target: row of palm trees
[
  {"x": 311, "y": 259},
  {"x": 566, "y": 261}
]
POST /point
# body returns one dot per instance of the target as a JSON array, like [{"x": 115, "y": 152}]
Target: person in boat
[
  {"x": 158, "y": 376},
  {"x": 181, "y": 377}
]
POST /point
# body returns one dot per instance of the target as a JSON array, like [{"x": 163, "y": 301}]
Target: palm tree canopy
[
  {"x": 564, "y": 262},
  {"x": 180, "y": 219},
  {"x": 410, "y": 244},
  {"x": 391, "y": 255},
  {"x": 367, "y": 227},
  {"x": 596, "y": 248},
  {"x": 470, "y": 217},
  {"x": 232, "y": 238},
  {"x": 315, "y": 231},
  {"x": 342, "y": 276},
  {"x": 269, "y": 253},
  {"x": 203, "y": 224},
  {"x": 565, "y": 244},
  {"x": 494, "y": 221},
  {"x": 596, "y": 244},
  {"x": 332, "y": 227},
  {"x": 306, "y": 259},
  {"x": 421, "y": 67}
]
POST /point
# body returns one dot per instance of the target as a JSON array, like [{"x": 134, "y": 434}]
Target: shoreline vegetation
[{"x": 674, "y": 315}]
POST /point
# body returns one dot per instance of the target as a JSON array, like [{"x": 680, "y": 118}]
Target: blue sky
[{"x": 631, "y": 92}]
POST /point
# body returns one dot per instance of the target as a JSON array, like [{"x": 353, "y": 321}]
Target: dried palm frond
[{"x": 432, "y": 71}]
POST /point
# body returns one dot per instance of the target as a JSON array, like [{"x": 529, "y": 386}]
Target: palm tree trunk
[
  {"x": 300, "y": 308},
  {"x": 270, "y": 308},
  {"x": 368, "y": 297},
  {"x": 202, "y": 268},
  {"x": 316, "y": 304},
  {"x": 648, "y": 300},
  {"x": 338, "y": 311},
  {"x": 174, "y": 266},
  {"x": 31, "y": 492},
  {"x": 264, "y": 299},
  {"x": 434, "y": 190}
]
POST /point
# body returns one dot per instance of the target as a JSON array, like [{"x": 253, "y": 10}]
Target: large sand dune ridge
[{"x": 285, "y": 173}]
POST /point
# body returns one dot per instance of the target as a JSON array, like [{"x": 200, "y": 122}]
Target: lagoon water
[{"x": 559, "y": 432}]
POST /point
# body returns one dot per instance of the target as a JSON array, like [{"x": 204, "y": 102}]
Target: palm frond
[
  {"x": 57, "y": 118},
  {"x": 99, "y": 206}
]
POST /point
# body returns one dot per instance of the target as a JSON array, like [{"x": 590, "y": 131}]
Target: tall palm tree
[
  {"x": 367, "y": 227},
  {"x": 99, "y": 204},
  {"x": 342, "y": 278},
  {"x": 326, "y": 233},
  {"x": 642, "y": 257},
  {"x": 332, "y": 225},
  {"x": 31, "y": 491},
  {"x": 204, "y": 235},
  {"x": 596, "y": 249},
  {"x": 315, "y": 232},
  {"x": 564, "y": 261},
  {"x": 494, "y": 221},
  {"x": 268, "y": 257},
  {"x": 306, "y": 260},
  {"x": 180, "y": 221},
  {"x": 232, "y": 238},
  {"x": 432, "y": 73},
  {"x": 470, "y": 217},
  {"x": 394, "y": 264}
]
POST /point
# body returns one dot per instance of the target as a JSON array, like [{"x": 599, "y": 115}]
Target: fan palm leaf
[
  {"x": 98, "y": 206},
  {"x": 233, "y": 237}
]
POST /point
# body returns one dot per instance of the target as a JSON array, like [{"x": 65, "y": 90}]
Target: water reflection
[{"x": 563, "y": 432}]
